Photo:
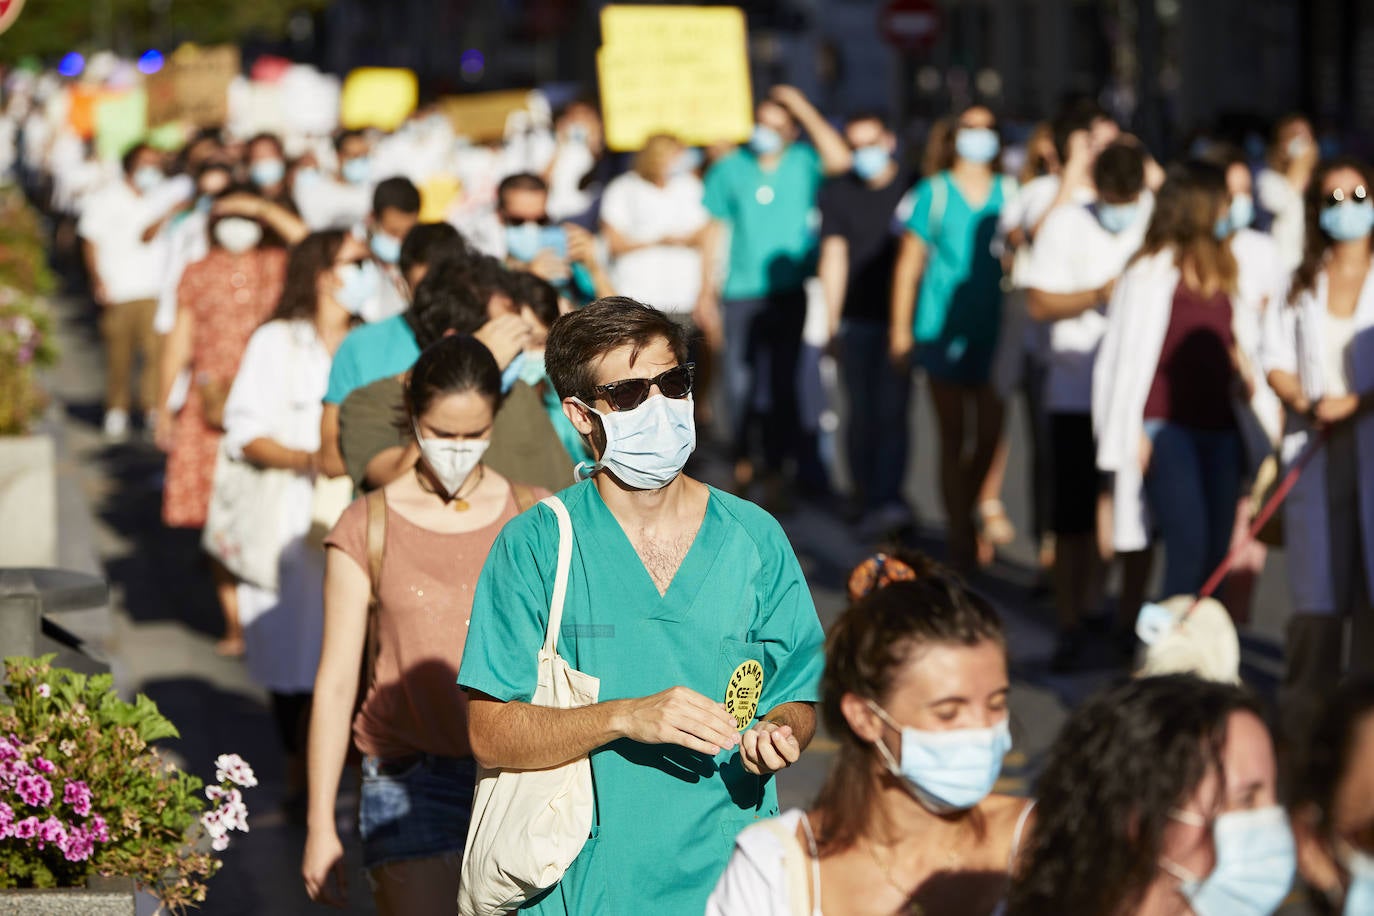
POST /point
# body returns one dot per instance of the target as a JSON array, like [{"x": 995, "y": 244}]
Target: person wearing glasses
[
  {"x": 1319, "y": 355},
  {"x": 686, "y": 602}
]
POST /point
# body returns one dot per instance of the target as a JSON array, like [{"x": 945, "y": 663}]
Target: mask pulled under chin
[{"x": 646, "y": 448}]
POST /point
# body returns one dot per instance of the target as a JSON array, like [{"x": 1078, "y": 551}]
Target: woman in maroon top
[{"x": 1193, "y": 454}]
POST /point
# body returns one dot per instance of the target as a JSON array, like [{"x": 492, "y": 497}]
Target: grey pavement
[{"x": 164, "y": 622}]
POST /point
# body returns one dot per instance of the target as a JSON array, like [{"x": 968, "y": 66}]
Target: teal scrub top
[
  {"x": 959, "y": 309},
  {"x": 667, "y": 816},
  {"x": 774, "y": 222},
  {"x": 371, "y": 352}
]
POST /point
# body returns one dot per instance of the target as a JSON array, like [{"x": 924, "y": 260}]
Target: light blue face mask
[
  {"x": 977, "y": 144},
  {"x": 1222, "y": 228},
  {"x": 513, "y": 372},
  {"x": 1255, "y": 864},
  {"x": 869, "y": 161},
  {"x": 532, "y": 369},
  {"x": 1242, "y": 213},
  {"x": 1348, "y": 220},
  {"x": 689, "y": 160},
  {"x": 361, "y": 283},
  {"x": 646, "y": 448},
  {"x": 356, "y": 171},
  {"x": 308, "y": 177},
  {"x": 951, "y": 770},
  {"x": 147, "y": 177},
  {"x": 765, "y": 140},
  {"x": 522, "y": 241},
  {"x": 1359, "y": 897},
  {"x": 1117, "y": 218},
  {"x": 267, "y": 172},
  {"x": 387, "y": 248}
]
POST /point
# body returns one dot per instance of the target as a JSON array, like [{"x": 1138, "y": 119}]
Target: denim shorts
[{"x": 415, "y": 807}]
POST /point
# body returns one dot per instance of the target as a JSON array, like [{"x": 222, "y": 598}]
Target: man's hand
[
  {"x": 1332, "y": 410},
  {"x": 790, "y": 97},
  {"x": 547, "y": 265},
  {"x": 768, "y": 747},
  {"x": 504, "y": 337},
  {"x": 581, "y": 243},
  {"x": 680, "y": 716},
  {"x": 98, "y": 293}
]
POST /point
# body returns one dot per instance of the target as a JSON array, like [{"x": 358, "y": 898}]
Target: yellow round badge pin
[{"x": 742, "y": 694}]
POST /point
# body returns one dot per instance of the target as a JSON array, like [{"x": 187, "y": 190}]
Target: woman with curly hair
[
  {"x": 1158, "y": 799},
  {"x": 915, "y": 691},
  {"x": 1333, "y": 804}
]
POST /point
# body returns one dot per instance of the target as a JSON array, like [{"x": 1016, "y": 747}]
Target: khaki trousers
[{"x": 127, "y": 328}]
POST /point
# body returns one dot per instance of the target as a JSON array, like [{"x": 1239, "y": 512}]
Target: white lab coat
[
  {"x": 1293, "y": 336},
  {"x": 278, "y": 395},
  {"x": 1137, "y": 322}
]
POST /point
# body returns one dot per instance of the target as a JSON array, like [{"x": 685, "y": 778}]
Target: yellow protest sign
[
  {"x": 682, "y": 70},
  {"x": 381, "y": 97},
  {"x": 481, "y": 116}
]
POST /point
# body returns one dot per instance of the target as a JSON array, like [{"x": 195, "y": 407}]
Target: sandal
[{"x": 993, "y": 524}]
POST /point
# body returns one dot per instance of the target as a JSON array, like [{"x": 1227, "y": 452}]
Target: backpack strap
[
  {"x": 524, "y": 496},
  {"x": 376, "y": 550}
]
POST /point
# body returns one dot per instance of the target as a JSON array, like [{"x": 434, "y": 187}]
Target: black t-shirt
[{"x": 865, "y": 218}]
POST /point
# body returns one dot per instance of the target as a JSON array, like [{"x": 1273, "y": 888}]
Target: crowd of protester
[{"x": 1182, "y": 334}]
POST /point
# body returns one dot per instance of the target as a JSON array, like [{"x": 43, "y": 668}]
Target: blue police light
[
  {"x": 71, "y": 64},
  {"x": 150, "y": 61}
]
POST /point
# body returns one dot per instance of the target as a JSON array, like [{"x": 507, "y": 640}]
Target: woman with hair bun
[{"x": 915, "y": 691}]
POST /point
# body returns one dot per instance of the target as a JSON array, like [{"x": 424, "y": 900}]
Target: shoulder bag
[{"x": 529, "y": 825}]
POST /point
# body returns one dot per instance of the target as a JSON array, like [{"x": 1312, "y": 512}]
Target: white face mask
[
  {"x": 236, "y": 234},
  {"x": 451, "y": 460}
]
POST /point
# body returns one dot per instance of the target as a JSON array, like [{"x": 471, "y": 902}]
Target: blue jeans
[
  {"x": 1192, "y": 487},
  {"x": 878, "y": 398},
  {"x": 416, "y": 807},
  {"x": 762, "y": 346}
]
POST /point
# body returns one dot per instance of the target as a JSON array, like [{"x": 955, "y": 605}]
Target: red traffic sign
[{"x": 910, "y": 25}]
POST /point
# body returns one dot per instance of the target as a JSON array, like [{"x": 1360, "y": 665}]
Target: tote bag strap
[{"x": 560, "y": 582}]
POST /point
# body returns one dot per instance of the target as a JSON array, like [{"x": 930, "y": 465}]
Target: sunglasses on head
[
  {"x": 1359, "y": 195},
  {"x": 629, "y": 393}
]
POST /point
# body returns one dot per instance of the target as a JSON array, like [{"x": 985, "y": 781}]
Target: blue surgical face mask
[
  {"x": 267, "y": 172},
  {"x": 1117, "y": 218},
  {"x": 147, "y": 177},
  {"x": 947, "y": 771},
  {"x": 1359, "y": 896},
  {"x": 532, "y": 369},
  {"x": 646, "y": 448},
  {"x": 522, "y": 241},
  {"x": 514, "y": 372},
  {"x": 869, "y": 161},
  {"x": 361, "y": 283},
  {"x": 1242, "y": 212},
  {"x": 689, "y": 160},
  {"x": 977, "y": 144},
  {"x": 356, "y": 171},
  {"x": 1348, "y": 220},
  {"x": 1255, "y": 864},
  {"x": 765, "y": 140},
  {"x": 1222, "y": 229},
  {"x": 386, "y": 247}
]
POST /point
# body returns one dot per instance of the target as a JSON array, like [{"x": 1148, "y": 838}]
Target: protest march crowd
[{"x": 437, "y": 452}]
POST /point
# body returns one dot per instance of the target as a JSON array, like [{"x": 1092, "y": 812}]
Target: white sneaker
[{"x": 116, "y": 425}]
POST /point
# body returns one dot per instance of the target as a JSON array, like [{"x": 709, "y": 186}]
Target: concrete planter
[
  {"x": 100, "y": 897},
  {"x": 28, "y": 501}
]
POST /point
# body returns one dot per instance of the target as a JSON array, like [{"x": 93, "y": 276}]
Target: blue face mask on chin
[
  {"x": 1256, "y": 860},
  {"x": 765, "y": 141},
  {"x": 977, "y": 144},
  {"x": 947, "y": 771},
  {"x": 1117, "y": 218},
  {"x": 870, "y": 161},
  {"x": 386, "y": 247},
  {"x": 1348, "y": 220}
]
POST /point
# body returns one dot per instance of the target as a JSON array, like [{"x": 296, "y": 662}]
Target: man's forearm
[
  {"x": 800, "y": 717},
  {"x": 520, "y": 736}
]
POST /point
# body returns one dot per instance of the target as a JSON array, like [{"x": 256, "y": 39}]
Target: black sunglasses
[
  {"x": 628, "y": 394},
  {"x": 1359, "y": 195}
]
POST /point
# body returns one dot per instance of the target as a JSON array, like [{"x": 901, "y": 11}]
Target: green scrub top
[
  {"x": 667, "y": 816},
  {"x": 774, "y": 222},
  {"x": 959, "y": 309},
  {"x": 371, "y": 352}
]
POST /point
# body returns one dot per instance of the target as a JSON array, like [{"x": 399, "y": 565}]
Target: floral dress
[{"x": 228, "y": 297}]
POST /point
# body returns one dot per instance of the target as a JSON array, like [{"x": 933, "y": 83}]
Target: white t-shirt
[
  {"x": 187, "y": 242},
  {"x": 1275, "y": 194},
  {"x": 113, "y": 220},
  {"x": 667, "y": 277},
  {"x": 1073, "y": 253}
]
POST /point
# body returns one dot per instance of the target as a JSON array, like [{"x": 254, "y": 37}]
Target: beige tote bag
[{"x": 529, "y": 825}]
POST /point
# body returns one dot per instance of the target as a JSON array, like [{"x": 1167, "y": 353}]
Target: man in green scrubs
[{"x": 687, "y": 603}]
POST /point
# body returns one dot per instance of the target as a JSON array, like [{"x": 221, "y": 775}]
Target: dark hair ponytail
[{"x": 453, "y": 365}]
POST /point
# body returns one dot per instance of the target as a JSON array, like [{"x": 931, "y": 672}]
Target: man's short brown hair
[{"x": 581, "y": 338}]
